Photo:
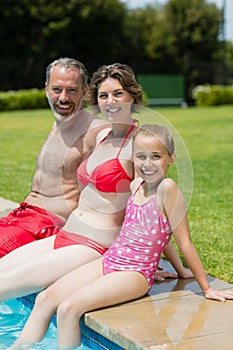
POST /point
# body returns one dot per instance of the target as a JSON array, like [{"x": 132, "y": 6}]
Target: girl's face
[
  {"x": 151, "y": 158},
  {"x": 114, "y": 101}
]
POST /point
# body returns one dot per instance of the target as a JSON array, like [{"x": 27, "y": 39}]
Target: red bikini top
[{"x": 109, "y": 176}]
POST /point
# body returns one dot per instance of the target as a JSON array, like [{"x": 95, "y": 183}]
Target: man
[{"x": 55, "y": 192}]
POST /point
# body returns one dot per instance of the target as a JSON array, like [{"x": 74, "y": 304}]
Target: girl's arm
[
  {"x": 172, "y": 255},
  {"x": 175, "y": 209}
]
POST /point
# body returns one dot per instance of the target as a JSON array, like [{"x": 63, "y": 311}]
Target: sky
[{"x": 219, "y": 4}]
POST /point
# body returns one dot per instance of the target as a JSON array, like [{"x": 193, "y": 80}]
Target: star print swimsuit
[{"x": 144, "y": 235}]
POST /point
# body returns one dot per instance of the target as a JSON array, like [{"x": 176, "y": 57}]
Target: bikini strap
[
  {"x": 125, "y": 138},
  {"x": 104, "y": 138}
]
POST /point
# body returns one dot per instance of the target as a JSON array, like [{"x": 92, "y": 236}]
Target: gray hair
[{"x": 68, "y": 63}]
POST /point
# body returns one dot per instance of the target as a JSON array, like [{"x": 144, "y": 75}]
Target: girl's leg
[
  {"x": 48, "y": 300},
  {"x": 107, "y": 290},
  {"x": 41, "y": 271}
]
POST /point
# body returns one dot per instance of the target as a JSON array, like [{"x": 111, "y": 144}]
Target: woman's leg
[
  {"x": 42, "y": 270},
  {"x": 26, "y": 252}
]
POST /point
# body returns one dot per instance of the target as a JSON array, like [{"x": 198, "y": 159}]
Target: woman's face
[{"x": 114, "y": 101}]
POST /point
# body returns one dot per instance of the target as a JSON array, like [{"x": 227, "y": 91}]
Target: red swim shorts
[
  {"x": 26, "y": 224},
  {"x": 64, "y": 239}
]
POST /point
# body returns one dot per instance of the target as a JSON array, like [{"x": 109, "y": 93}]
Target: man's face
[{"x": 64, "y": 92}]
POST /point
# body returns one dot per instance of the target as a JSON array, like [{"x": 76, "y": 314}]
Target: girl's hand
[
  {"x": 220, "y": 295},
  {"x": 186, "y": 273},
  {"x": 160, "y": 275}
]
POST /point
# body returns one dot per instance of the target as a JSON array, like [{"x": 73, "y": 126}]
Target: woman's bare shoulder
[{"x": 102, "y": 134}]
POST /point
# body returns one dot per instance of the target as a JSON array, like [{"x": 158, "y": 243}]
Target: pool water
[{"x": 13, "y": 315}]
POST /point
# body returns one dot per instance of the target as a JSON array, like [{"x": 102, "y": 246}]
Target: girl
[{"x": 154, "y": 211}]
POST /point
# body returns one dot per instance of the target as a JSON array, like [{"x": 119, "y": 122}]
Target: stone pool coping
[{"x": 174, "y": 315}]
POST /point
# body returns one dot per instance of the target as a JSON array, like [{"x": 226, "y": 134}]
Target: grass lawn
[
  {"x": 21, "y": 135},
  {"x": 208, "y": 136}
]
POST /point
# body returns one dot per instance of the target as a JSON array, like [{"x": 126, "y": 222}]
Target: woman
[{"x": 104, "y": 177}]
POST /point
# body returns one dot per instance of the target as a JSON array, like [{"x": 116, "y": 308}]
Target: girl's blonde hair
[{"x": 159, "y": 131}]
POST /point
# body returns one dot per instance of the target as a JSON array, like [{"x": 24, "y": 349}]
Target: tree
[
  {"x": 34, "y": 33},
  {"x": 20, "y": 32},
  {"x": 193, "y": 29},
  {"x": 229, "y": 60},
  {"x": 179, "y": 37},
  {"x": 182, "y": 36}
]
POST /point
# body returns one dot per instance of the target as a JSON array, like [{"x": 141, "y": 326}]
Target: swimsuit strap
[
  {"x": 103, "y": 139},
  {"x": 125, "y": 138},
  {"x": 138, "y": 186}
]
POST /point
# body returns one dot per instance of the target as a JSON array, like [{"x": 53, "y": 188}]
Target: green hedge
[
  {"x": 23, "y": 99},
  {"x": 213, "y": 95},
  {"x": 30, "y": 99},
  {"x": 204, "y": 95}
]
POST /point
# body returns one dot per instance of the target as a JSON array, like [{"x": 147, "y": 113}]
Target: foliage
[
  {"x": 229, "y": 61},
  {"x": 212, "y": 95},
  {"x": 31, "y": 99},
  {"x": 181, "y": 37},
  {"x": 41, "y": 31},
  {"x": 23, "y": 99},
  {"x": 189, "y": 24},
  {"x": 193, "y": 29}
]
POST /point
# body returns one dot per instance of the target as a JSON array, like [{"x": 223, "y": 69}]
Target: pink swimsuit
[{"x": 143, "y": 237}]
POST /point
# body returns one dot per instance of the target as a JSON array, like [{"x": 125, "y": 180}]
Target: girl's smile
[{"x": 151, "y": 158}]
